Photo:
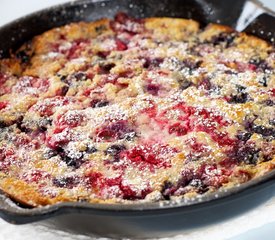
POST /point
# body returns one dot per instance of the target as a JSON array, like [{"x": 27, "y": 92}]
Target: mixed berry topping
[{"x": 135, "y": 110}]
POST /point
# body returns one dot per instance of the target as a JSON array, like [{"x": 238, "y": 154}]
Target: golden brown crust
[{"x": 125, "y": 110}]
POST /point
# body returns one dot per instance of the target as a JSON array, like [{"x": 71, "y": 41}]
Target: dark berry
[
  {"x": 264, "y": 131},
  {"x": 103, "y": 54},
  {"x": 224, "y": 38},
  {"x": 96, "y": 103},
  {"x": 269, "y": 103},
  {"x": 244, "y": 136},
  {"x": 65, "y": 182},
  {"x": 206, "y": 84},
  {"x": 245, "y": 153},
  {"x": 241, "y": 96},
  {"x": 63, "y": 78},
  {"x": 79, "y": 76},
  {"x": 49, "y": 153},
  {"x": 196, "y": 183},
  {"x": 199, "y": 185},
  {"x": 152, "y": 88},
  {"x": 23, "y": 56},
  {"x": 263, "y": 81},
  {"x": 62, "y": 91},
  {"x": 168, "y": 189},
  {"x": 184, "y": 84},
  {"x": 190, "y": 64},
  {"x": 114, "y": 130},
  {"x": 91, "y": 149},
  {"x": 3, "y": 124},
  {"x": 72, "y": 160},
  {"x": 272, "y": 122},
  {"x": 106, "y": 68},
  {"x": 114, "y": 150},
  {"x": 260, "y": 64},
  {"x": 21, "y": 125},
  {"x": 130, "y": 136},
  {"x": 152, "y": 63}
]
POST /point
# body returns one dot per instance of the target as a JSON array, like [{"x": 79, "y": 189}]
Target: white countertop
[{"x": 253, "y": 225}]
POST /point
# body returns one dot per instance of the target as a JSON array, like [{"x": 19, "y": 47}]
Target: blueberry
[
  {"x": 3, "y": 124},
  {"x": 199, "y": 185},
  {"x": 152, "y": 88},
  {"x": 114, "y": 150},
  {"x": 96, "y": 103},
  {"x": 152, "y": 63},
  {"x": 44, "y": 123},
  {"x": 245, "y": 153},
  {"x": 241, "y": 96},
  {"x": 191, "y": 65},
  {"x": 167, "y": 190},
  {"x": 91, "y": 149},
  {"x": 263, "y": 81},
  {"x": 50, "y": 153},
  {"x": 106, "y": 68},
  {"x": 244, "y": 136},
  {"x": 196, "y": 183},
  {"x": 74, "y": 160},
  {"x": 79, "y": 76},
  {"x": 269, "y": 103},
  {"x": 21, "y": 125},
  {"x": 65, "y": 182},
  {"x": 264, "y": 131},
  {"x": 101, "y": 103},
  {"x": 130, "y": 136},
  {"x": 224, "y": 38},
  {"x": 63, "y": 78},
  {"x": 184, "y": 84},
  {"x": 261, "y": 64}
]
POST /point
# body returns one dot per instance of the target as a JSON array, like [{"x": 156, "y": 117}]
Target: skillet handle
[
  {"x": 257, "y": 20},
  {"x": 16, "y": 214}
]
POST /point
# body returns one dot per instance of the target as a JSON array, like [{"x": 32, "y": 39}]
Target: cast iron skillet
[{"x": 143, "y": 219}]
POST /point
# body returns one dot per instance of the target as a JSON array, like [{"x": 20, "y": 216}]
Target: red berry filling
[
  {"x": 70, "y": 119},
  {"x": 152, "y": 88},
  {"x": 35, "y": 176},
  {"x": 193, "y": 119},
  {"x": 121, "y": 46},
  {"x": 114, "y": 131},
  {"x": 7, "y": 157},
  {"x": 60, "y": 137},
  {"x": 74, "y": 51},
  {"x": 31, "y": 85},
  {"x": 46, "y": 107},
  {"x": 114, "y": 187},
  {"x": 3, "y": 105},
  {"x": 124, "y": 23},
  {"x": 150, "y": 156},
  {"x": 178, "y": 129}
]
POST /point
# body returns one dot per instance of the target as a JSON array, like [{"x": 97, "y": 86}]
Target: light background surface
[{"x": 255, "y": 224}]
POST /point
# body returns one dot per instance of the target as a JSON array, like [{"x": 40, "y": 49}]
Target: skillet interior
[{"x": 204, "y": 11}]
